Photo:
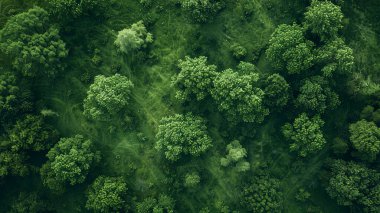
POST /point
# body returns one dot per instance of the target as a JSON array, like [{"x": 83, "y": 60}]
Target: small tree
[
  {"x": 238, "y": 97},
  {"x": 107, "y": 96},
  {"x": 66, "y": 10},
  {"x": 192, "y": 180},
  {"x": 195, "y": 78},
  {"x": 133, "y": 38},
  {"x": 276, "y": 91},
  {"x": 182, "y": 134},
  {"x": 263, "y": 195},
  {"x": 69, "y": 162},
  {"x": 288, "y": 49},
  {"x": 32, "y": 44},
  {"x": 107, "y": 194},
  {"x": 316, "y": 95},
  {"x": 13, "y": 163},
  {"x": 324, "y": 19},
  {"x": 201, "y": 10},
  {"x": 306, "y": 134},
  {"x": 365, "y": 137},
  {"x": 164, "y": 203},
  {"x": 236, "y": 154}
]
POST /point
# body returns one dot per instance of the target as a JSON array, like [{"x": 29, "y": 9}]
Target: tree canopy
[
  {"x": 365, "y": 137},
  {"x": 182, "y": 135},
  {"x": 133, "y": 38},
  {"x": 276, "y": 91},
  {"x": 107, "y": 96}
]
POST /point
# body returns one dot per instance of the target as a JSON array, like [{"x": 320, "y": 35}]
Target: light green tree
[
  {"x": 69, "y": 162},
  {"x": 239, "y": 97},
  {"x": 133, "y": 38},
  {"x": 182, "y": 135},
  {"x": 107, "y": 96},
  {"x": 236, "y": 154},
  {"x": 365, "y": 137},
  {"x": 288, "y": 49},
  {"x": 192, "y": 180},
  {"x": 164, "y": 203},
  {"x": 306, "y": 134},
  {"x": 33, "y": 44},
  {"x": 195, "y": 79},
  {"x": 107, "y": 194},
  {"x": 324, "y": 19}
]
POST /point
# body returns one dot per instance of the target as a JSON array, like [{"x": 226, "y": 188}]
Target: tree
[
  {"x": 164, "y": 203},
  {"x": 13, "y": 163},
  {"x": 182, "y": 134},
  {"x": 192, "y": 180},
  {"x": 195, "y": 78},
  {"x": 365, "y": 137},
  {"x": 201, "y": 10},
  {"x": 288, "y": 49},
  {"x": 351, "y": 183},
  {"x": 28, "y": 203},
  {"x": 133, "y": 38},
  {"x": 107, "y": 194},
  {"x": 306, "y": 134},
  {"x": 276, "y": 91},
  {"x": 263, "y": 195},
  {"x": 324, "y": 19},
  {"x": 236, "y": 154},
  {"x": 237, "y": 96},
  {"x": 32, "y": 44},
  {"x": 32, "y": 133},
  {"x": 107, "y": 96},
  {"x": 316, "y": 95},
  {"x": 335, "y": 56},
  {"x": 65, "y": 10},
  {"x": 69, "y": 162}
]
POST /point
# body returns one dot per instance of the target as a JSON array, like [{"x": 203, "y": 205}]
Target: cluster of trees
[{"x": 65, "y": 10}]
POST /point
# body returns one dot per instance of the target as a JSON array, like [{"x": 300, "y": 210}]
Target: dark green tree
[
  {"x": 305, "y": 134},
  {"x": 315, "y": 95},
  {"x": 66, "y": 10},
  {"x": 32, "y": 133},
  {"x": 182, "y": 134},
  {"x": 324, "y": 19},
  {"x": 13, "y": 163},
  {"x": 107, "y": 96},
  {"x": 107, "y": 194},
  {"x": 288, "y": 49},
  {"x": 276, "y": 91},
  {"x": 195, "y": 79},
  {"x": 164, "y": 203},
  {"x": 354, "y": 184},
  {"x": 201, "y": 10},
  {"x": 239, "y": 97},
  {"x": 263, "y": 195},
  {"x": 69, "y": 162},
  {"x": 32, "y": 44},
  {"x": 365, "y": 137},
  {"x": 28, "y": 202}
]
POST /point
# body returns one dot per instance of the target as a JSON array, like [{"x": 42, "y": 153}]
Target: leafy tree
[
  {"x": 195, "y": 78},
  {"x": 133, "y": 38},
  {"x": 32, "y": 44},
  {"x": 365, "y": 137},
  {"x": 8, "y": 92},
  {"x": 28, "y": 203},
  {"x": 276, "y": 91},
  {"x": 201, "y": 10},
  {"x": 69, "y": 162},
  {"x": 182, "y": 134},
  {"x": 13, "y": 163},
  {"x": 335, "y": 56},
  {"x": 32, "y": 133},
  {"x": 107, "y": 96},
  {"x": 351, "y": 183},
  {"x": 163, "y": 204},
  {"x": 246, "y": 68},
  {"x": 70, "y": 9},
  {"x": 192, "y": 180},
  {"x": 324, "y": 19},
  {"x": 237, "y": 96},
  {"x": 107, "y": 194},
  {"x": 316, "y": 95},
  {"x": 236, "y": 154},
  {"x": 288, "y": 49},
  {"x": 306, "y": 134},
  {"x": 263, "y": 195}
]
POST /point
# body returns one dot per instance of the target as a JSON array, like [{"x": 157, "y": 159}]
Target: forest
[{"x": 204, "y": 106}]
